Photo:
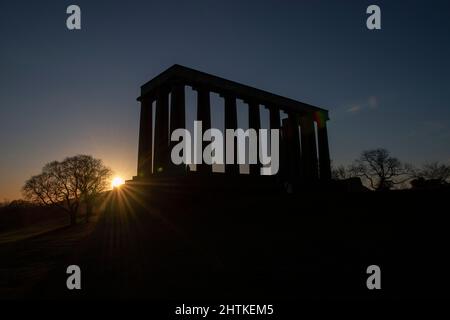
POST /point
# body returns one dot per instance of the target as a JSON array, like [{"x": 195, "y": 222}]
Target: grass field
[
  {"x": 278, "y": 247},
  {"x": 31, "y": 253},
  {"x": 36, "y": 229}
]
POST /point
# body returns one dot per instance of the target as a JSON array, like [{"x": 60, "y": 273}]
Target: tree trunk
[
  {"x": 381, "y": 185},
  {"x": 88, "y": 210},
  {"x": 73, "y": 218}
]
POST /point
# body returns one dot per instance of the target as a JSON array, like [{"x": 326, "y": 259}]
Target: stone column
[
  {"x": 293, "y": 144},
  {"x": 177, "y": 121},
  {"x": 145, "y": 138},
  {"x": 309, "y": 152},
  {"x": 254, "y": 122},
  {"x": 161, "y": 153},
  {"x": 203, "y": 115},
  {"x": 231, "y": 123},
  {"x": 274, "y": 117},
  {"x": 324, "y": 152},
  {"x": 275, "y": 123}
]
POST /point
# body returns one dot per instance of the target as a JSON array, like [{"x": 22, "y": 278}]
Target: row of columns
[{"x": 298, "y": 150}]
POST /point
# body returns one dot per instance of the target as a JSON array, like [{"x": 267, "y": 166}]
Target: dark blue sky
[{"x": 68, "y": 92}]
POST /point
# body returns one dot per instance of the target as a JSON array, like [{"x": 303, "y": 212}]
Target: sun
[{"x": 117, "y": 182}]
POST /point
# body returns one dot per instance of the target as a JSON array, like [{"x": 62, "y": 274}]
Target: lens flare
[{"x": 117, "y": 182}]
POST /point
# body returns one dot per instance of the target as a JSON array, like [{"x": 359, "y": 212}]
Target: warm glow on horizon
[{"x": 117, "y": 182}]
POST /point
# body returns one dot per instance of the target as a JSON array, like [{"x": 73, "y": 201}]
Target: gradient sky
[{"x": 68, "y": 92}]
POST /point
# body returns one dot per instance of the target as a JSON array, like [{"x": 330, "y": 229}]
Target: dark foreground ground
[{"x": 258, "y": 247}]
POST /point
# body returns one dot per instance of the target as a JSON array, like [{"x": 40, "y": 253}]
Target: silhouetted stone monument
[{"x": 304, "y": 153}]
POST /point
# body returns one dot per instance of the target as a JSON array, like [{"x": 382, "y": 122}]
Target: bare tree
[
  {"x": 68, "y": 183},
  {"x": 341, "y": 173},
  {"x": 93, "y": 178},
  {"x": 434, "y": 171},
  {"x": 47, "y": 189},
  {"x": 380, "y": 170}
]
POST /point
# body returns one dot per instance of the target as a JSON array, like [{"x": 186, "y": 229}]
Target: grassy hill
[{"x": 168, "y": 245}]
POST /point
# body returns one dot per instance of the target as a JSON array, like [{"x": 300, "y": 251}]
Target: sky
[{"x": 66, "y": 92}]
